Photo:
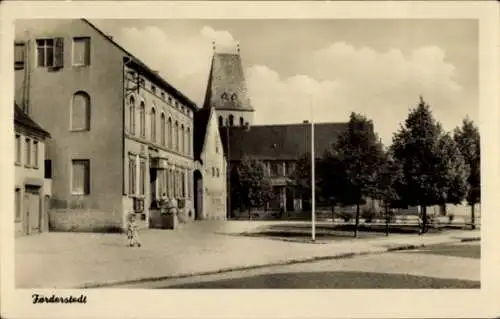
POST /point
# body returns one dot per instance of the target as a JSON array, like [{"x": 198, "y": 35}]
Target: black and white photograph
[{"x": 176, "y": 154}]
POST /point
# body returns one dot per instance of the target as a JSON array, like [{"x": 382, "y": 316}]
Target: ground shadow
[{"x": 333, "y": 280}]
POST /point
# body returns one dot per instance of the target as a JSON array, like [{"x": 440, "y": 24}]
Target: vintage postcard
[{"x": 249, "y": 159}]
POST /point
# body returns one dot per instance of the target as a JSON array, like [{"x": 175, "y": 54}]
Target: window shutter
[{"x": 59, "y": 53}]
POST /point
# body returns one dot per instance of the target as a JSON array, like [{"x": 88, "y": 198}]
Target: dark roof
[
  {"x": 22, "y": 119},
  {"x": 201, "y": 118},
  {"x": 227, "y": 88},
  {"x": 285, "y": 142},
  {"x": 146, "y": 69}
]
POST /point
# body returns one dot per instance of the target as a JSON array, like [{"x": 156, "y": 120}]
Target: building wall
[
  {"x": 214, "y": 173},
  {"x": 29, "y": 174},
  {"x": 51, "y": 93},
  {"x": 153, "y": 141}
]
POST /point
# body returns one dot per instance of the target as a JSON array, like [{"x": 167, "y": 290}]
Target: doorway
[
  {"x": 32, "y": 208},
  {"x": 198, "y": 195}
]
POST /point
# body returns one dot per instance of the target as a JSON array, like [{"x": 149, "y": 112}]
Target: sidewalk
[{"x": 84, "y": 260}]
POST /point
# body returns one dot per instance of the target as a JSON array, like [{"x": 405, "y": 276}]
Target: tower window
[
  {"x": 231, "y": 120},
  {"x": 224, "y": 96},
  {"x": 234, "y": 97}
]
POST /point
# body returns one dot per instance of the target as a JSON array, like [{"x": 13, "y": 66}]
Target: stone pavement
[{"x": 85, "y": 260}]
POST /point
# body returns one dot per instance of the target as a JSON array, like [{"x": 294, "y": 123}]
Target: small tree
[
  {"x": 390, "y": 176},
  {"x": 252, "y": 185},
  {"x": 468, "y": 141},
  {"x": 301, "y": 179},
  {"x": 356, "y": 159}
]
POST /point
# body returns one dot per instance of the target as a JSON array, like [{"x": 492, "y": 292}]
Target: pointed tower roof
[{"x": 227, "y": 88}]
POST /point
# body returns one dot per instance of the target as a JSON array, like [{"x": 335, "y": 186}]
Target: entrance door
[{"x": 33, "y": 207}]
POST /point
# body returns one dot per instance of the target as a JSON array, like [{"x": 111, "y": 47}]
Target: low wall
[{"x": 79, "y": 220}]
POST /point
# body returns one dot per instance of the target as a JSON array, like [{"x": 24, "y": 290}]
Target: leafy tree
[
  {"x": 252, "y": 185},
  {"x": 468, "y": 141},
  {"x": 432, "y": 169},
  {"x": 355, "y": 161},
  {"x": 301, "y": 178},
  {"x": 389, "y": 178}
]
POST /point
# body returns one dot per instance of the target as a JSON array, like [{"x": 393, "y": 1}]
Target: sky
[{"x": 377, "y": 68}]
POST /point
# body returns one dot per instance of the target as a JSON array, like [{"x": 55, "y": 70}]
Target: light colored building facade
[
  {"x": 210, "y": 168},
  {"x": 113, "y": 149},
  {"x": 32, "y": 188}
]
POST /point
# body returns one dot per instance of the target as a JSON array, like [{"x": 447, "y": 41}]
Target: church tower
[{"x": 227, "y": 90}]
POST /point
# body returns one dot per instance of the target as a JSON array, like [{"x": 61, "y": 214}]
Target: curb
[{"x": 374, "y": 250}]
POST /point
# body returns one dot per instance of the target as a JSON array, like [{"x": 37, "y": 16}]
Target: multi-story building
[
  {"x": 121, "y": 134},
  {"x": 32, "y": 181}
]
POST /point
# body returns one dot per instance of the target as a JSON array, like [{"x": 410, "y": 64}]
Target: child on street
[{"x": 132, "y": 235}]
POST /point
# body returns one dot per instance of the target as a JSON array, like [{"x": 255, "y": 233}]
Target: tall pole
[
  {"x": 313, "y": 177},
  {"x": 229, "y": 215}
]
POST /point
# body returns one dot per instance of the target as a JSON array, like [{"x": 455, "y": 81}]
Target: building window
[
  {"x": 131, "y": 112},
  {"x": 231, "y": 120},
  {"x": 162, "y": 95},
  {"x": 170, "y": 132},
  {"x": 242, "y": 122},
  {"x": 80, "y": 112},
  {"x": 153, "y": 124},
  {"x": 81, "y": 51},
  {"x": 47, "y": 169},
  {"x": 80, "y": 182},
  {"x": 50, "y": 52},
  {"x": 167, "y": 185},
  {"x": 142, "y": 177},
  {"x": 170, "y": 100},
  {"x": 213, "y": 171},
  {"x": 181, "y": 140},
  {"x": 19, "y": 55},
  {"x": 218, "y": 172},
  {"x": 163, "y": 124},
  {"x": 17, "y": 203},
  {"x": 153, "y": 89},
  {"x": 142, "y": 119},
  {"x": 27, "y": 160},
  {"x": 35, "y": 154},
  {"x": 183, "y": 184},
  {"x": 186, "y": 141},
  {"x": 18, "y": 149},
  {"x": 131, "y": 175},
  {"x": 176, "y": 137},
  {"x": 221, "y": 121}
]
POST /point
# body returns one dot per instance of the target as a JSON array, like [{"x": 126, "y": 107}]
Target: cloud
[{"x": 336, "y": 79}]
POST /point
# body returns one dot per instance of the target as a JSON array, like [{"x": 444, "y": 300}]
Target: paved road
[{"x": 440, "y": 266}]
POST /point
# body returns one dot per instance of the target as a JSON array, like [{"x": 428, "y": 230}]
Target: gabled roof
[
  {"x": 145, "y": 68},
  {"x": 280, "y": 142},
  {"x": 22, "y": 119},
  {"x": 227, "y": 88},
  {"x": 201, "y": 119}
]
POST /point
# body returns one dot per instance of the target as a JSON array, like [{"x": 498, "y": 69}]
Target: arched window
[
  {"x": 142, "y": 119},
  {"x": 163, "y": 127},
  {"x": 80, "y": 112},
  {"x": 242, "y": 122},
  {"x": 234, "y": 97},
  {"x": 188, "y": 141},
  {"x": 153, "y": 124},
  {"x": 176, "y": 136},
  {"x": 231, "y": 120},
  {"x": 131, "y": 116},
  {"x": 170, "y": 132},
  {"x": 181, "y": 140},
  {"x": 221, "y": 123}
]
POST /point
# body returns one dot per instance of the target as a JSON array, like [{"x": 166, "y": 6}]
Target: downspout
[{"x": 126, "y": 60}]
